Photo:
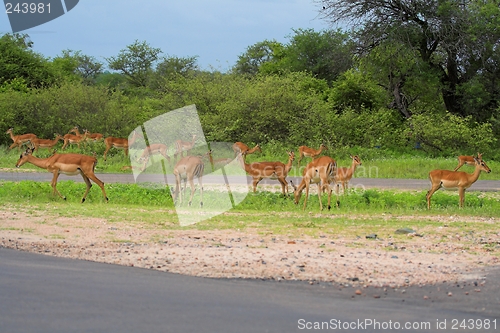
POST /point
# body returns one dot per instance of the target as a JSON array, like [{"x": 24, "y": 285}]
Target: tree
[
  {"x": 136, "y": 62},
  {"x": 454, "y": 38},
  {"x": 255, "y": 55}
]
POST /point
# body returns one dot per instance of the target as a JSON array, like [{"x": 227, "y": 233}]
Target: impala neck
[
  {"x": 12, "y": 136},
  {"x": 288, "y": 166},
  {"x": 475, "y": 175},
  {"x": 251, "y": 151},
  {"x": 354, "y": 165},
  {"x": 39, "y": 162}
]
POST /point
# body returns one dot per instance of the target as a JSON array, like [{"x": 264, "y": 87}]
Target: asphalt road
[
  {"x": 406, "y": 184},
  {"x": 46, "y": 294}
]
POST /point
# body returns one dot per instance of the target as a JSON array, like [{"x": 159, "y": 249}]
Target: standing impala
[
  {"x": 305, "y": 151},
  {"x": 344, "y": 175},
  {"x": 93, "y": 136},
  {"x": 19, "y": 140},
  {"x": 469, "y": 160},
  {"x": 73, "y": 139},
  {"x": 187, "y": 169},
  {"x": 153, "y": 149},
  {"x": 320, "y": 171},
  {"x": 68, "y": 164},
  {"x": 455, "y": 179},
  {"x": 119, "y": 143},
  {"x": 273, "y": 170},
  {"x": 183, "y": 146},
  {"x": 46, "y": 143},
  {"x": 243, "y": 149}
]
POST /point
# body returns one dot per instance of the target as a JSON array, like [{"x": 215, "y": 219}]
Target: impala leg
[
  {"x": 126, "y": 151},
  {"x": 461, "y": 194},
  {"x": 191, "y": 184},
  {"x": 100, "y": 184},
  {"x": 433, "y": 189},
  {"x": 200, "y": 182},
  {"x": 319, "y": 196},
  {"x": 307, "y": 195},
  {"x": 88, "y": 183},
  {"x": 460, "y": 163},
  {"x": 54, "y": 184},
  {"x": 284, "y": 186},
  {"x": 256, "y": 181}
]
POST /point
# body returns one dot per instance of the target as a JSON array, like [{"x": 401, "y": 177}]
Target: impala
[
  {"x": 187, "y": 169},
  {"x": 153, "y": 149},
  {"x": 46, "y": 143},
  {"x": 119, "y": 143},
  {"x": 73, "y": 139},
  {"x": 455, "y": 179},
  {"x": 320, "y": 171},
  {"x": 183, "y": 146},
  {"x": 273, "y": 170},
  {"x": 469, "y": 160},
  {"x": 19, "y": 140},
  {"x": 305, "y": 151},
  {"x": 344, "y": 175},
  {"x": 68, "y": 164},
  {"x": 93, "y": 136},
  {"x": 241, "y": 148}
]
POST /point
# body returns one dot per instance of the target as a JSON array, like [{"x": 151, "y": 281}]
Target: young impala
[
  {"x": 469, "y": 160},
  {"x": 68, "y": 164},
  {"x": 344, "y": 175},
  {"x": 273, "y": 170},
  {"x": 305, "y": 151},
  {"x": 320, "y": 171},
  {"x": 455, "y": 179},
  {"x": 19, "y": 140}
]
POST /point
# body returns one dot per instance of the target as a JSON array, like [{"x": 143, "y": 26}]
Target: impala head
[
  {"x": 482, "y": 165},
  {"x": 356, "y": 160},
  {"x": 291, "y": 155},
  {"x": 480, "y": 155},
  {"x": 74, "y": 129},
  {"x": 296, "y": 194},
  {"x": 24, "y": 157},
  {"x": 323, "y": 147},
  {"x": 10, "y": 130}
]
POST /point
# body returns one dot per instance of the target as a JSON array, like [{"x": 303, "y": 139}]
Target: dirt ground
[{"x": 231, "y": 254}]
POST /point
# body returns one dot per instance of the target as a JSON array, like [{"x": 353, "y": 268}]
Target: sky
[{"x": 215, "y": 31}]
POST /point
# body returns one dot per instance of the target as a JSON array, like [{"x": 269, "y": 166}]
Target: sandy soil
[{"x": 231, "y": 254}]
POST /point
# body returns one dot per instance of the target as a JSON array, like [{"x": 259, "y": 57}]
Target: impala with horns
[
  {"x": 73, "y": 138},
  {"x": 455, "y": 179},
  {"x": 344, "y": 175},
  {"x": 188, "y": 168},
  {"x": 183, "y": 146},
  {"x": 469, "y": 160},
  {"x": 272, "y": 170},
  {"x": 119, "y": 143},
  {"x": 241, "y": 148},
  {"x": 19, "y": 140},
  {"x": 46, "y": 143},
  {"x": 320, "y": 171},
  {"x": 68, "y": 164},
  {"x": 305, "y": 151}
]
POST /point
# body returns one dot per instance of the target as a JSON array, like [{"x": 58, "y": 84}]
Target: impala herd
[{"x": 322, "y": 170}]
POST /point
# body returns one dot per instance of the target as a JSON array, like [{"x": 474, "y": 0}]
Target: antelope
[
  {"x": 155, "y": 148},
  {"x": 19, "y": 140},
  {"x": 241, "y": 148},
  {"x": 68, "y": 164},
  {"x": 119, "y": 143},
  {"x": 469, "y": 160},
  {"x": 305, "y": 151},
  {"x": 46, "y": 143},
  {"x": 273, "y": 170},
  {"x": 187, "y": 169},
  {"x": 455, "y": 179},
  {"x": 93, "y": 136},
  {"x": 320, "y": 171},
  {"x": 73, "y": 139},
  {"x": 183, "y": 146},
  {"x": 344, "y": 175}
]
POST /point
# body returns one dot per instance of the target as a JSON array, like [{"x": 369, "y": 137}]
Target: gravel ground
[{"x": 231, "y": 254}]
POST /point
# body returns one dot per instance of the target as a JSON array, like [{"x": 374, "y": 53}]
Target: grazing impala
[
  {"x": 241, "y": 148},
  {"x": 183, "y": 146},
  {"x": 344, "y": 175},
  {"x": 469, "y": 160},
  {"x": 305, "y": 151},
  {"x": 153, "y": 149},
  {"x": 320, "y": 171},
  {"x": 46, "y": 143},
  {"x": 273, "y": 170},
  {"x": 455, "y": 179},
  {"x": 73, "y": 139},
  {"x": 19, "y": 140},
  {"x": 187, "y": 169},
  {"x": 68, "y": 164},
  {"x": 119, "y": 143}
]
